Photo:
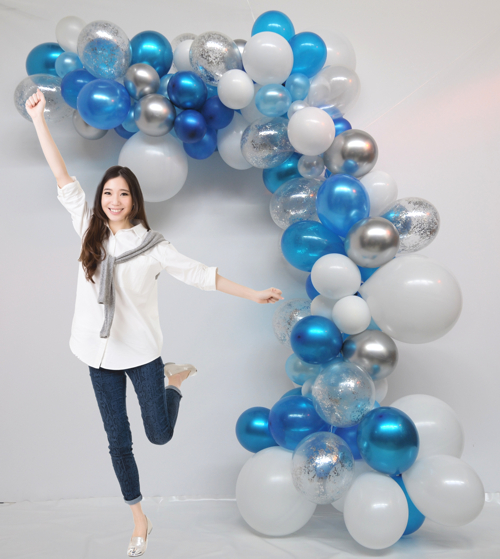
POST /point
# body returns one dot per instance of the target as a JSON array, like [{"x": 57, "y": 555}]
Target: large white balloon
[
  {"x": 235, "y": 89},
  {"x": 266, "y": 496},
  {"x": 335, "y": 276},
  {"x": 181, "y": 56},
  {"x": 340, "y": 51},
  {"x": 375, "y": 511},
  {"x": 438, "y": 426},
  {"x": 311, "y": 131},
  {"x": 413, "y": 299},
  {"x": 351, "y": 315},
  {"x": 67, "y": 31},
  {"x": 382, "y": 191},
  {"x": 159, "y": 162},
  {"x": 229, "y": 143},
  {"x": 445, "y": 489},
  {"x": 360, "y": 467},
  {"x": 322, "y": 306},
  {"x": 268, "y": 58}
]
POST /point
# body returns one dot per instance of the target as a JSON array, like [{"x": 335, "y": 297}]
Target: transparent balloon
[
  {"x": 296, "y": 106},
  {"x": 334, "y": 89},
  {"x": 298, "y": 86},
  {"x": 295, "y": 200},
  {"x": 67, "y": 62},
  {"x": 229, "y": 143},
  {"x": 311, "y": 166},
  {"x": 299, "y": 371},
  {"x": 382, "y": 190},
  {"x": 265, "y": 143},
  {"x": 286, "y": 317}
]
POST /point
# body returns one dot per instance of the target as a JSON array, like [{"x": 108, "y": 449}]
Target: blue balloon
[
  {"x": 123, "y": 132},
  {"x": 153, "y": 48},
  {"x": 341, "y": 202},
  {"x": 310, "y": 289},
  {"x": 211, "y": 91},
  {"x": 293, "y": 418},
  {"x": 350, "y": 434},
  {"x": 73, "y": 83},
  {"x": 315, "y": 339},
  {"x": 298, "y": 86},
  {"x": 299, "y": 372},
  {"x": 366, "y": 272},
  {"x": 103, "y": 104},
  {"x": 187, "y": 90},
  {"x": 190, "y": 126},
  {"x": 273, "y": 100},
  {"x": 129, "y": 123},
  {"x": 67, "y": 62},
  {"x": 276, "y": 22},
  {"x": 216, "y": 114},
  {"x": 42, "y": 59},
  {"x": 162, "y": 90},
  {"x": 341, "y": 125},
  {"x": 303, "y": 242},
  {"x": 415, "y": 517},
  {"x": 309, "y": 53},
  {"x": 388, "y": 440},
  {"x": 204, "y": 148},
  {"x": 252, "y": 429},
  {"x": 274, "y": 177},
  {"x": 293, "y": 392}
]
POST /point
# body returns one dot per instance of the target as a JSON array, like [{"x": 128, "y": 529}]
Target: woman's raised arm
[{"x": 35, "y": 106}]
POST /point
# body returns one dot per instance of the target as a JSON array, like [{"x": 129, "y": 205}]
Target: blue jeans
[{"x": 159, "y": 409}]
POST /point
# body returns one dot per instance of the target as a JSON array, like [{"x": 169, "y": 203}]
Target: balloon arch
[{"x": 277, "y": 102}]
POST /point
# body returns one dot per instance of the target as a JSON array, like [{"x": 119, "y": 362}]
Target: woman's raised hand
[
  {"x": 35, "y": 104},
  {"x": 271, "y": 295}
]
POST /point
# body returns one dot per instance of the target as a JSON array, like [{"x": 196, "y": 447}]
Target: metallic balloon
[
  {"x": 373, "y": 351},
  {"x": 85, "y": 130},
  {"x": 67, "y": 62},
  {"x": 152, "y": 48},
  {"x": 372, "y": 242},
  {"x": 417, "y": 222},
  {"x": 295, "y": 200},
  {"x": 274, "y": 177},
  {"x": 265, "y": 142},
  {"x": 212, "y": 54},
  {"x": 334, "y": 89},
  {"x": 162, "y": 89},
  {"x": 154, "y": 115},
  {"x": 240, "y": 43},
  {"x": 286, "y": 317},
  {"x": 252, "y": 429},
  {"x": 42, "y": 59},
  {"x": 354, "y": 152},
  {"x": 316, "y": 339},
  {"x": 141, "y": 79},
  {"x": 322, "y": 467}
]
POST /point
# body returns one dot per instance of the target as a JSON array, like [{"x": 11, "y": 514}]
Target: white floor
[{"x": 101, "y": 528}]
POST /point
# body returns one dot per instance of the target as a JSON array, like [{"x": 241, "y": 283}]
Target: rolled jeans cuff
[
  {"x": 172, "y": 387},
  {"x": 134, "y": 501}
]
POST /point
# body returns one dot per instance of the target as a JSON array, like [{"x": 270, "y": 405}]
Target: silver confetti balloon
[
  {"x": 212, "y": 54},
  {"x": 354, "y": 152},
  {"x": 85, "y": 130},
  {"x": 140, "y": 80},
  {"x": 374, "y": 351},
  {"x": 295, "y": 200},
  {"x": 322, "y": 467},
  {"x": 154, "y": 115},
  {"x": 311, "y": 166},
  {"x": 286, "y": 317},
  {"x": 372, "y": 242},
  {"x": 265, "y": 143},
  {"x": 334, "y": 89},
  {"x": 417, "y": 222}
]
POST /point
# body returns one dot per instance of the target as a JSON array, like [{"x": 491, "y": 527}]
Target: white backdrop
[{"x": 430, "y": 97}]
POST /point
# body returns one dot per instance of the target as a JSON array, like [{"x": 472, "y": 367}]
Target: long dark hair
[{"x": 93, "y": 251}]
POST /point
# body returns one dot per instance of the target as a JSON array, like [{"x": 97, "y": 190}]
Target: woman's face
[{"x": 116, "y": 196}]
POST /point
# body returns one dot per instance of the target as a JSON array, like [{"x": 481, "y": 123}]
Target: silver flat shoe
[
  {"x": 138, "y": 545},
  {"x": 173, "y": 369}
]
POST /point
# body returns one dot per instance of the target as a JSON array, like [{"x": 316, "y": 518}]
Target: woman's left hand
[{"x": 271, "y": 295}]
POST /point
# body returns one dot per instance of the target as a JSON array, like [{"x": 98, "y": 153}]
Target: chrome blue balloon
[
  {"x": 103, "y": 104},
  {"x": 276, "y": 22},
  {"x": 303, "y": 242},
  {"x": 341, "y": 202},
  {"x": 310, "y": 289},
  {"x": 67, "y": 62},
  {"x": 309, "y": 53},
  {"x": 42, "y": 59},
  {"x": 153, "y": 48},
  {"x": 293, "y": 418},
  {"x": 298, "y": 86},
  {"x": 211, "y": 90},
  {"x": 366, "y": 272},
  {"x": 273, "y": 100},
  {"x": 187, "y": 90},
  {"x": 341, "y": 125},
  {"x": 315, "y": 339},
  {"x": 299, "y": 371},
  {"x": 415, "y": 517},
  {"x": 293, "y": 392},
  {"x": 216, "y": 114},
  {"x": 123, "y": 133},
  {"x": 162, "y": 90},
  {"x": 204, "y": 148},
  {"x": 252, "y": 429},
  {"x": 350, "y": 434},
  {"x": 274, "y": 177},
  {"x": 73, "y": 83},
  {"x": 129, "y": 123},
  {"x": 388, "y": 440},
  {"x": 190, "y": 126}
]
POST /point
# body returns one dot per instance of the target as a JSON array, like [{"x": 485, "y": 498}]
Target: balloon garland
[{"x": 277, "y": 102}]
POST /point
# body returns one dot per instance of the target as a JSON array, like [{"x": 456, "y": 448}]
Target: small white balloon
[
  {"x": 235, "y": 89},
  {"x": 351, "y": 315},
  {"x": 322, "y": 306},
  {"x": 382, "y": 191},
  {"x": 229, "y": 143},
  {"x": 311, "y": 131},
  {"x": 381, "y": 389},
  {"x": 67, "y": 31},
  {"x": 181, "y": 56},
  {"x": 296, "y": 106},
  {"x": 335, "y": 276},
  {"x": 360, "y": 467},
  {"x": 268, "y": 58},
  {"x": 251, "y": 113}
]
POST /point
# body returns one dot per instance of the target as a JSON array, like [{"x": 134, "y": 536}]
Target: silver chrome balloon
[
  {"x": 372, "y": 242},
  {"x": 373, "y": 351},
  {"x": 85, "y": 130},
  {"x": 354, "y": 152},
  {"x": 295, "y": 200},
  {"x": 154, "y": 115},
  {"x": 140, "y": 80},
  {"x": 240, "y": 43}
]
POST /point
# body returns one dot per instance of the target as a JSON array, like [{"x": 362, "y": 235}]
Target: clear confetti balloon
[
  {"x": 104, "y": 50},
  {"x": 56, "y": 109},
  {"x": 212, "y": 54},
  {"x": 286, "y": 317},
  {"x": 265, "y": 143},
  {"x": 295, "y": 200},
  {"x": 311, "y": 166},
  {"x": 417, "y": 222},
  {"x": 322, "y": 467}
]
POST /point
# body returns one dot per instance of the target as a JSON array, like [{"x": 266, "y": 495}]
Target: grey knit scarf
[{"x": 106, "y": 288}]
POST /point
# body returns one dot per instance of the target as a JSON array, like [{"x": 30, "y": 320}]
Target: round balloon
[
  {"x": 311, "y": 166},
  {"x": 140, "y": 80},
  {"x": 334, "y": 89},
  {"x": 268, "y": 58},
  {"x": 265, "y": 142},
  {"x": 335, "y": 276},
  {"x": 354, "y": 152},
  {"x": 316, "y": 339},
  {"x": 103, "y": 103},
  {"x": 299, "y": 371},
  {"x": 252, "y": 429},
  {"x": 360, "y": 467},
  {"x": 371, "y": 242},
  {"x": 202, "y": 149},
  {"x": 85, "y": 130},
  {"x": 235, "y": 89},
  {"x": 295, "y": 200},
  {"x": 229, "y": 143},
  {"x": 187, "y": 90},
  {"x": 273, "y": 100},
  {"x": 73, "y": 83},
  {"x": 67, "y": 62},
  {"x": 56, "y": 110},
  {"x": 311, "y": 131},
  {"x": 287, "y": 315},
  {"x": 322, "y": 306},
  {"x": 154, "y": 49},
  {"x": 382, "y": 191},
  {"x": 190, "y": 126},
  {"x": 298, "y": 86},
  {"x": 274, "y": 177},
  {"x": 374, "y": 351},
  {"x": 67, "y": 30},
  {"x": 275, "y": 22},
  {"x": 351, "y": 315},
  {"x": 42, "y": 59},
  {"x": 216, "y": 114},
  {"x": 309, "y": 53}
]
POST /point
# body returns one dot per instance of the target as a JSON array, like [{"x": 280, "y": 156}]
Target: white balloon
[
  {"x": 438, "y": 426},
  {"x": 381, "y": 388},
  {"x": 159, "y": 162},
  {"x": 181, "y": 56},
  {"x": 375, "y": 511},
  {"x": 229, "y": 143},
  {"x": 382, "y": 191},
  {"x": 67, "y": 31},
  {"x": 445, "y": 489},
  {"x": 322, "y": 306},
  {"x": 351, "y": 315},
  {"x": 266, "y": 496},
  {"x": 340, "y": 51},
  {"x": 360, "y": 467},
  {"x": 235, "y": 89},
  {"x": 251, "y": 113},
  {"x": 268, "y": 58},
  {"x": 311, "y": 131},
  {"x": 335, "y": 276}
]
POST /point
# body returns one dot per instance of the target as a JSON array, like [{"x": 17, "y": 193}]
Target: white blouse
[{"x": 135, "y": 337}]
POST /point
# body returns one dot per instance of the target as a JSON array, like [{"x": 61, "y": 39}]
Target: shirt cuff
[
  {"x": 68, "y": 189},
  {"x": 211, "y": 278}
]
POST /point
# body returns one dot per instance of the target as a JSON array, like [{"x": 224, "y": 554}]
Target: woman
[{"x": 122, "y": 257}]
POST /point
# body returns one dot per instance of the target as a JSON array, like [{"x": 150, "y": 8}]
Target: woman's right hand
[{"x": 35, "y": 105}]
